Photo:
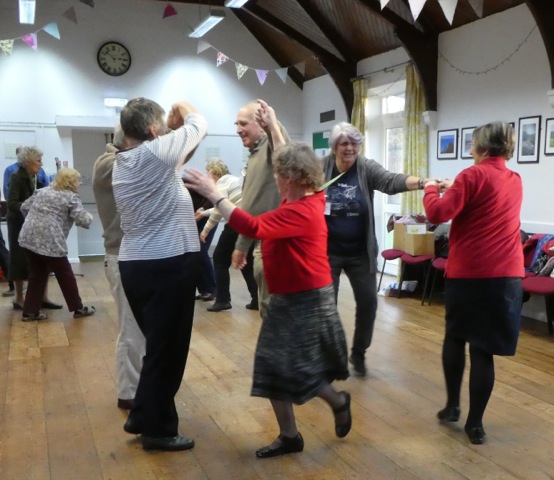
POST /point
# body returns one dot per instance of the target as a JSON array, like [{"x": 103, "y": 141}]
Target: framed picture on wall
[
  {"x": 447, "y": 144},
  {"x": 549, "y": 137},
  {"x": 466, "y": 139},
  {"x": 529, "y": 139}
]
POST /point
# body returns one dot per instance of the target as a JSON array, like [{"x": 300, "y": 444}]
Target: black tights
[{"x": 481, "y": 377}]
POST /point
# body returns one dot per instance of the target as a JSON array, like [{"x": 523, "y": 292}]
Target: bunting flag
[
  {"x": 449, "y": 8},
  {"x": 70, "y": 14},
  {"x": 262, "y": 75},
  {"x": 202, "y": 45},
  {"x": 384, "y": 3},
  {"x": 169, "y": 11},
  {"x": 6, "y": 46},
  {"x": 241, "y": 69},
  {"x": 416, "y": 6},
  {"x": 52, "y": 29},
  {"x": 90, "y": 3},
  {"x": 477, "y": 6},
  {"x": 31, "y": 40},
  {"x": 221, "y": 59},
  {"x": 282, "y": 74}
]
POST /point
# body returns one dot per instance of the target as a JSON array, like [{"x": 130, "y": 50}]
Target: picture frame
[
  {"x": 549, "y": 137},
  {"x": 447, "y": 144},
  {"x": 466, "y": 140},
  {"x": 529, "y": 133}
]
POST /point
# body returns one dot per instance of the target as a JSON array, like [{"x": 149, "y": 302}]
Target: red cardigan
[
  {"x": 294, "y": 243},
  {"x": 484, "y": 205}
]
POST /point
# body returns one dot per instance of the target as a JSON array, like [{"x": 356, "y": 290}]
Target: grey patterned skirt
[{"x": 301, "y": 346}]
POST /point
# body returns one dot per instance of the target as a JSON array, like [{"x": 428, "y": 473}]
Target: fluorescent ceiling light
[
  {"x": 115, "y": 102},
  {"x": 235, "y": 3},
  {"x": 209, "y": 22},
  {"x": 27, "y": 11}
]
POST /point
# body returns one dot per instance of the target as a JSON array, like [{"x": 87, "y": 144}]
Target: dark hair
[
  {"x": 298, "y": 162},
  {"x": 497, "y": 139},
  {"x": 138, "y": 116}
]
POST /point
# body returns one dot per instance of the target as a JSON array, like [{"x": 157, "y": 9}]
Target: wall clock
[{"x": 114, "y": 59}]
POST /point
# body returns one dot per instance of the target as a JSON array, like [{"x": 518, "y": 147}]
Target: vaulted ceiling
[{"x": 332, "y": 36}]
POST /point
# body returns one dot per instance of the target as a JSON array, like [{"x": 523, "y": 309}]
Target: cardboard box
[{"x": 413, "y": 243}]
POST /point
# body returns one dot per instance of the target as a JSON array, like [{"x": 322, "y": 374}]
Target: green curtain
[
  {"x": 415, "y": 140},
  {"x": 361, "y": 87}
]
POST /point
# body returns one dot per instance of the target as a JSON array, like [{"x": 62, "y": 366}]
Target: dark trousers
[
  {"x": 364, "y": 287},
  {"x": 206, "y": 280},
  {"x": 40, "y": 267},
  {"x": 161, "y": 295},
  {"x": 222, "y": 261},
  {"x": 4, "y": 259}
]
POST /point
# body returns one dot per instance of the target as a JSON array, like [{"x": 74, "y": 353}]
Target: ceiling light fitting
[
  {"x": 235, "y": 3},
  {"x": 208, "y": 23},
  {"x": 27, "y": 11}
]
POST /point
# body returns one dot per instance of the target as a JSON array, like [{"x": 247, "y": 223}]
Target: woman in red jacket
[
  {"x": 301, "y": 346},
  {"x": 484, "y": 269}
]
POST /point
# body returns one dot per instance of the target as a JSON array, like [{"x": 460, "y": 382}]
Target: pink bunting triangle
[
  {"x": 282, "y": 74},
  {"x": 221, "y": 58},
  {"x": 31, "y": 40},
  {"x": 52, "y": 29},
  {"x": 202, "y": 45},
  {"x": 90, "y": 3},
  {"x": 262, "y": 75},
  {"x": 70, "y": 14},
  {"x": 169, "y": 11}
]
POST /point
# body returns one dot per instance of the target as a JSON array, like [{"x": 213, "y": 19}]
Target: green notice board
[{"x": 320, "y": 140}]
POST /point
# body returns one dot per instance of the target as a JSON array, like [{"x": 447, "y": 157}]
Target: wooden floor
[{"x": 58, "y": 415}]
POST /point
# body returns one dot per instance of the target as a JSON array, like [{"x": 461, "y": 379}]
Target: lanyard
[{"x": 333, "y": 180}]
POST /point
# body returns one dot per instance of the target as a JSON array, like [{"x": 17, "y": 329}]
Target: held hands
[
  {"x": 443, "y": 185},
  {"x": 238, "y": 260},
  {"x": 201, "y": 183},
  {"x": 178, "y": 113},
  {"x": 265, "y": 115}
]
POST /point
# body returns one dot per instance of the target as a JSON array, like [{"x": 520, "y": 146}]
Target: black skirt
[
  {"x": 485, "y": 312},
  {"x": 301, "y": 346}
]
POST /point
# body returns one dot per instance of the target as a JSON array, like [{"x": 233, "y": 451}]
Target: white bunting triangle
[
  {"x": 477, "y": 6},
  {"x": 384, "y": 3},
  {"x": 416, "y": 6},
  {"x": 449, "y": 8}
]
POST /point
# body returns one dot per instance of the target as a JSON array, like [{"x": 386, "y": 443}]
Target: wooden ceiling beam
[{"x": 543, "y": 13}]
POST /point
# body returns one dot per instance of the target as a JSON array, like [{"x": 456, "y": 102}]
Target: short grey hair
[
  {"x": 496, "y": 139},
  {"x": 345, "y": 130},
  {"x": 118, "y": 137},
  {"x": 26, "y": 154}
]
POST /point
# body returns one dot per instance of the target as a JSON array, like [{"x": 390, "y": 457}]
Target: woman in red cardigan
[
  {"x": 483, "y": 272},
  {"x": 301, "y": 346}
]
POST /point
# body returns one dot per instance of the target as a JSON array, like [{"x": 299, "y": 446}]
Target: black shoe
[
  {"x": 218, "y": 307},
  {"x": 253, "y": 305},
  {"x": 131, "y": 426},
  {"x": 288, "y": 445},
  {"x": 51, "y": 305},
  {"x": 17, "y": 306},
  {"x": 206, "y": 297},
  {"x": 476, "y": 435},
  {"x": 125, "y": 404},
  {"x": 168, "y": 444},
  {"x": 342, "y": 429},
  {"x": 358, "y": 365},
  {"x": 449, "y": 414}
]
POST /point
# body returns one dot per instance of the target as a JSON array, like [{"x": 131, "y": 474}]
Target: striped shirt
[
  {"x": 231, "y": 187},
  {"x": 157, "y": 217}
]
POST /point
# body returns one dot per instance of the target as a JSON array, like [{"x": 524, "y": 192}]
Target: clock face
[{"x": 114, "y": 59}]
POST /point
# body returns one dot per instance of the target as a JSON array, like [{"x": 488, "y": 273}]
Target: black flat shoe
[
  {"x": 358, "y": 365},
  {"x": 125, "y": 404},
  {"x": 51, "y": 305},
  {"x": 476, "y": 435},
  {"x": 218, "y": 307},
  {"x": 132, "y": 426},
  {"x": 168, "y": 444},
  {"x": 342, "y": 429},
  {"x": 288, "y": 445},
  {"x": 253, "y": 305},
  {"x": 17, "y": 306},
  {"x": 449, "y": 414}
]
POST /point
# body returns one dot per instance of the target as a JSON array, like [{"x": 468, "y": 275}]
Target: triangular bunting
[
  {"x": 477, "y": 6},
  {"x": 31, "y": 40},
  {"x": 52, "y": 29},
  {"x": 416, "y": 6},
  {"x": 70, "y": 14},
  {"x": 449, "y": 8},
  {"x": 282, "y": 74},
  {"x": 221, "y": 58},
  {"x": 241, "y": 69},
  {"x": 262, "y": 75},
  {"x": 384, "y": 3},
  {"x": 90, "y": 3},
  {"x": 169, "y": 11},
  {"x": 6, "y": 46},
  {"x": 202, "y": 45}
]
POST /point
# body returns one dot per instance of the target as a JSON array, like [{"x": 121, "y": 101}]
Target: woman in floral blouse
[{"x": 49, "y": 215}]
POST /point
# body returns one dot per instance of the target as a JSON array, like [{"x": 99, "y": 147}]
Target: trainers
[
  {"x": 29, "y": 317},
  {"x": 84, "y": 312},
  {"x": 358, "y": 366},
  {"x": 218, "y": 307}
]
